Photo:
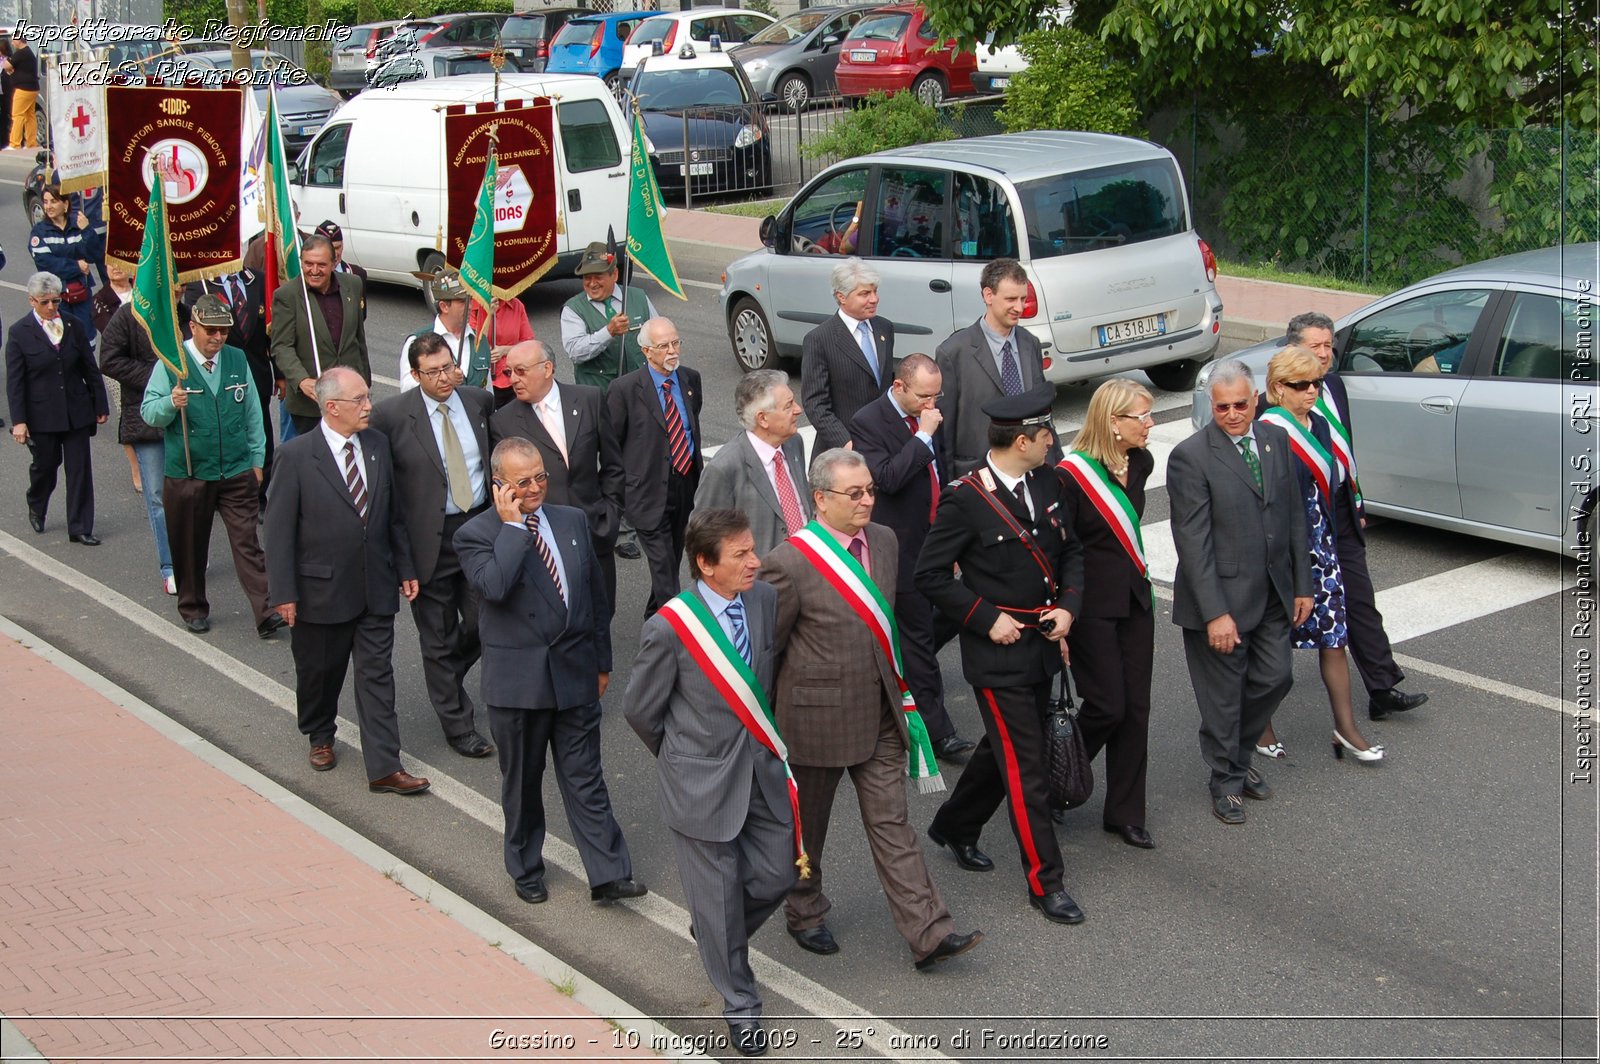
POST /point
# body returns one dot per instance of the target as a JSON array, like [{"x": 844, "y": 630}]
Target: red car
[{"x": 894, "y": 48}]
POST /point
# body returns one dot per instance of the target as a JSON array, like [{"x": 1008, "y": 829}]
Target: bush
[
  {"x": 879, "y": 123},
  {"x": 1071, "y": 83},
  {"x": 763, "y": 6}
]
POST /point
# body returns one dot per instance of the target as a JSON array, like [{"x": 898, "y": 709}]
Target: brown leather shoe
[
  {"x": 323, "y": 758},
  {"x": 401, "y": 782}
]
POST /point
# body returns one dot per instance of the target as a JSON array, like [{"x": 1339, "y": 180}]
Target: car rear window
[
  {"x": 1093, "y": 209},
  {"x": 523, "y": 28},
  {"x": 886, "y": 27},
  {"x": 673, "y": 90},
  {"x": 577, "y": 31},
  {"x": 650, "y": 30}
]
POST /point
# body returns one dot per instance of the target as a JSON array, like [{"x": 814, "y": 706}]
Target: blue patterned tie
[
  {"x": 1010, "y": 376},
  {"x": 741, "y": 635}
]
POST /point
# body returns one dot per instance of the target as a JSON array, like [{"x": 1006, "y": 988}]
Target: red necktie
[
  {"x": 933, "y": 477},
  {"x": 677, "y": 439},
  {"x": 857, "y": 548},
  {"x": 788, "y": 501}
]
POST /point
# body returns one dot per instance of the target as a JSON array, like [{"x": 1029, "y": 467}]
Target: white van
[{"x": 377, "y": 169}]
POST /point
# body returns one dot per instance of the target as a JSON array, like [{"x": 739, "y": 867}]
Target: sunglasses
[
  {"x": 47, "y": 301},
  {"x": 1239, "y": 407},
  {"x": 854, "y": 494},
  {"x": 1301, "y": 386}
]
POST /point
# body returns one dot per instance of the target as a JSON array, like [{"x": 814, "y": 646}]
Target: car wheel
[
  {"x": 753, "y": 346},
  {"x": 432, "y": 262},
  {"x": 795, "y": 92},
  {"x": 1175, "y": 376},
  {"x": 614, "y": 83},
  {"x": 929, "y": 89},
  {"x": 33, "y": 203}
]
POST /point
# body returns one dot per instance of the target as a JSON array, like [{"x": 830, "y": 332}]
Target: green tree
[
  {"x": 880, "y": 123},
  {"x": 318, "y": 62},
  {"x": 1070, "y": 83}
]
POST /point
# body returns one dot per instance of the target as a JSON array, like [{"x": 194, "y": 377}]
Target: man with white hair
[
  {"x": 848, "y": 360},
  {"x": 761, "y": 471}
]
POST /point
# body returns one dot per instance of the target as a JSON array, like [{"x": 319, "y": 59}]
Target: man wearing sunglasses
[{"x": 1243, "y": 579}]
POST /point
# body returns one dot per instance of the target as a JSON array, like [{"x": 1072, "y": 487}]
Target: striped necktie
[
  {"x": 354, "y": 482},
  {"x": 741, "y": 634},
  {"x": 677, "y": 439},
  {"x": 532, "y": 521}
]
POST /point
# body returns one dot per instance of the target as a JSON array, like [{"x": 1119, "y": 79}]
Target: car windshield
[
  {"x": 578, "y": 31},
  {"x": 651, "y": 29},
  {"x": 889, "y": 26},
  {"x": 1092, "y": 209},
  {"x": 792, "y": 28},
  {"x": 673, "y": 90}
]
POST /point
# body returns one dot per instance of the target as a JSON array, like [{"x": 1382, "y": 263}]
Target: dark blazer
[
  {"x": 1236, "y": 544},
  {"x": 127, "y": 358},
  {"x": 835, "y": 381},
  {"x": 538, "y": 653},
  {"x": 736, "y": 479},
  {"x": 291, "y": 346},
  {"x": 249, "y": 332},
  {"x": 1112, "y": 585},
  {"x": 641, "y": 431},
  {"x": 1351, "y": 511},
  {"x": 419, "y": 467},
  {"x": 899, "y": 464},
  {"x": 593, "y": 482},
  {"x": 970, "y": 381},
  {"x": 319, "y": 554},
  {"x": 53, "y": 389}
]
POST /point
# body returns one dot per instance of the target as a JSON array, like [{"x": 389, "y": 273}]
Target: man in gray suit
[
  {"x": 761, "y": 471},
  {"x": 1243, "y": 580},
  {"x": 847, "y": 361},
  {"x": 989, "y": 358},
  {"x": 724, "y": 793}
]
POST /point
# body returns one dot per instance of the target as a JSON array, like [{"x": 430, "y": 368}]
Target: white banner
[
  {"x": 77, "y": 130},
  {"x": 252, "y": 184}
]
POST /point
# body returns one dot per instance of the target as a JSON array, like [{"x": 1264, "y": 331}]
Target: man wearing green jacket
[
  {"x": 600, "y": 328},
  {"x": 215, "y": 445}
]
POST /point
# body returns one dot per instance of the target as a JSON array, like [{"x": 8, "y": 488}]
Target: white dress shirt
[{"x": 457, "y": 412}]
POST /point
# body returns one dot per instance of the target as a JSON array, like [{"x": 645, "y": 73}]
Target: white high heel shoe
[
  {"x": 1272, "y": 750},
  {"x": 1341, "y": 744}
]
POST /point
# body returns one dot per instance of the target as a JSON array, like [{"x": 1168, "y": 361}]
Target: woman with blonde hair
[
  {"x": 1294, "y": 377},
  {"x": 1112, "y": 642}
]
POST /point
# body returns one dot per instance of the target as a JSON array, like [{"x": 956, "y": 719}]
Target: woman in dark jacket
[
  {"x": 118, "y": 290},
  {"x": 127, "y": 358},
  {"x": 1112, "y": 642},
  {"x": 67, "y": 247}
]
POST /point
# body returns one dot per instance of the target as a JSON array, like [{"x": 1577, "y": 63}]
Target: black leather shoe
[
  {"x": 954, "y": 749},
  {"x": 36, "y": 521},
  {"x": 618, "y": 889},
  {"x": 273, "y": 622},
  {"x": 198, "y": 625},
  {"x": 629, "y": 549},
  {"x": 816, "y": 940},
  {"x": 471, "y": 745},
  {"x": 1228, "y": 808},
  {"x": 533, "y": 893},
  {"x": 747, "y": 1037},
  {"x": 969, "y": 857},
  {"x": 1394, "y": 700},
  {"x": 1133, "y": 835},
  {"x": 1255, "y": 786},
  {"x": 1058, "y": 907},
  {"x": 952, "y": 945},
  {"x": 88, "y": 539}
]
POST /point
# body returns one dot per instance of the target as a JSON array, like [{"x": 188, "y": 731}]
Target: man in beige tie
[{"x": 440, "y": 436}]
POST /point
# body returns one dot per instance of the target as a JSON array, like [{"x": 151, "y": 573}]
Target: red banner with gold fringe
[{"x": 525, "y": 187}]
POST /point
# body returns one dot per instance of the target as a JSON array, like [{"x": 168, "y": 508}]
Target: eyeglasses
[
  {"x": 1301, "y": 386},
  {"x": 526, "y": 482},
  {"x": 855, "y": 494},
  {"x": 49, "y": 301},
  {"x": 1145, "y": 418},
  {"x": 1239, "y": 407},
  {"x": 525, "y": 370},
  {"x": 434, "y": 374},
  {"x": 935, "y": 397},
  {"x": 670, "y": 345},
  {"x": 359, "y": 400}
]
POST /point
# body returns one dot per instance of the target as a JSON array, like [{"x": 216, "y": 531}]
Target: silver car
[
  {"x": 1472, "y": 396},
  {"x": 795, "y": 57}
]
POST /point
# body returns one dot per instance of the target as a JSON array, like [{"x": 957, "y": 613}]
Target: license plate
[
  {"x": 348, "y": 60},
  {"x": 1133, "y": 329},
  {"x": 697, "y": 170},
  {"x": 999, "y": 83},
  {"x": 309, "y": 131},
  {"x": 863, "y": 55}
]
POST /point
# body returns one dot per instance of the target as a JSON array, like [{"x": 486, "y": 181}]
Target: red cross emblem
[{"x": 80, "y": 121}]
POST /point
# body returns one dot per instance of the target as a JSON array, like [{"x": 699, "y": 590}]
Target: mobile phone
[{"x": 499, "y": 483}]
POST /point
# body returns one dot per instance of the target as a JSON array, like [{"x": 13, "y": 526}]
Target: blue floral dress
[{"x": 1325, "y": 628}]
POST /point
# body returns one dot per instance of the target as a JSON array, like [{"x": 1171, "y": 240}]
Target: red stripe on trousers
[{"x": 1019, "y": 807}]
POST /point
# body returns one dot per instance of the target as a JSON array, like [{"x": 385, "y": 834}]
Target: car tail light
[
  {"x": 672, "y": 35},
  {"x": 1030, "y": 306},
  {"x": 372, "y": 46},
  {"x": 541, "y": 49},
  {"x": 594, "y": 42},
  {"x": 1208, "y": 259}
]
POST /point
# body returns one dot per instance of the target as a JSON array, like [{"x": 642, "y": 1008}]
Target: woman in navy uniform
[{"x": 68, "y": 248}]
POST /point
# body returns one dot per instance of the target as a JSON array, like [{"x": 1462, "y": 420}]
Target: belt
[{"x": 1027, "y": 616}]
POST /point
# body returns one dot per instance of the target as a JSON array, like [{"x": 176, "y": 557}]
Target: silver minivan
[{"x": 1118, "y": 279}]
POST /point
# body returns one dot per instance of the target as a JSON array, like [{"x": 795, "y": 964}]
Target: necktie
[
  {"x": 858, "y": 549},
  {"x": 455, "y": 462},
  {"x": 532, "y": 521},
  {"x": 1249, "y": 454},
  {"x": 611, "y": 308},
  {"x": 788, "y": 500},
  {"x": 1010, "y": 376},
  {"x": 209, "y": 364},
  {"x": 741, "y": 634},
  {"x": 53, "y": 329},
  {"x": 1021, "y": 492},
  {"x": 933, "y": 477},
  {"x": 353, "y": 480},
  {"x": 550, "y": 418},
  {"x": 868, "y": 351},
  {"x": 677, "y": 439}
]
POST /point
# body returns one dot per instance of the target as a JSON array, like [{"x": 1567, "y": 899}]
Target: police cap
[{"x": 1029, "y": 408}]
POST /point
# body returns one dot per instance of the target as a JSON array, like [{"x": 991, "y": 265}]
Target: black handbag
[{"x": 1067, "y": 768}]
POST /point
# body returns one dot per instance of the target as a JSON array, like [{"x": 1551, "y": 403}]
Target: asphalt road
[{"x": 1439, "y": 905}]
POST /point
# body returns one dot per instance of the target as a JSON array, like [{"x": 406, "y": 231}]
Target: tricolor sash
[
  {"x": 818, "y": 546},
  {"x": 734, "y": 680},
  {"x": 1307, "y": 448},
  {"x": 1112, "y": 502},
  {"x": 1344, "y": 447}
]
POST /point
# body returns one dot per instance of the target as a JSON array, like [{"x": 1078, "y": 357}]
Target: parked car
[
  {"x": 794, "y": 58},
  {"x": 348, "y": 64},
  {"x": 697, "y": 26},
  {"x": 894, "y": 49},
  {"x": 528, "y": 35},
  {"x": 303, "y": 105},
  {"x": 1472, "y": 397},
  {"x": 594, "y": 45},
  {"x": 708, "y": 98},
  {"x": 440, "y": 63},
  {"x": 438, "y": 31},
  {"x": 997, "y": 66},
  {"x": 1118, "y": 278}
]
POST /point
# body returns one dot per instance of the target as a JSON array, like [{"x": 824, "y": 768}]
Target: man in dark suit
[
  {"x": 761, "y": 471},
  {"x": 338, "y": 560},
  {"x": 567, "y": 423},
  {"x": 1020, "y": 585},
  {"x": 318, "y": 322},
  {"x": 990, "y": 358},
  {"x": 546, "y": 664},
  {"x": 722, "y": 784},
  {"x": 1243, "y": 579},
  {"x": 840, "y": 708},
  {"x": 1369, "y": 643},
  {"x": 846, "y": 361},
  {"x": 901, "y": 435},
  {"x": 439, "y": 437},
  {"x": 245, "y": 294},
  {"x": 655, "y": 413}
]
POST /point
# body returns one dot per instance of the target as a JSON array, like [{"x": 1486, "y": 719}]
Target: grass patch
[
  {"x": 567, "y": 985},
  {"x": 759, "y": 209},
  {"x": 1268, "y": 272}
]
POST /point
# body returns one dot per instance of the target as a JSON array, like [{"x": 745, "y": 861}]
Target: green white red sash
[
  {"x": 1112, "y": 503},
  {"x": 1344, "y": 447},
  {"x": 818, "y": 546},
  {"x": 734, "y": 680},
  {"x": 1307, "y": 448}
]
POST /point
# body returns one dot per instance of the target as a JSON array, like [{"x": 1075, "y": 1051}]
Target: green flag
[
  {"x": 155, "y": 286},
  {"x": 647, "y": 244},
  {"x": 282, "y": 239},
  {"x": 477, "y": 261}
]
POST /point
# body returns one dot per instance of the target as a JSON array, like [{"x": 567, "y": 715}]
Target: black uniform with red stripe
[{"x": 1022, "y": 574}]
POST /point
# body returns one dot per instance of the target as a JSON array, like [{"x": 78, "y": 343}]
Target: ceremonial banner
[
  {"x": 647, "y": 244},
  {"x": 191, "y": 138},
  {"x": 253, "y": 145},
  {"x": 524, "y": 190},
  {"x": 477, "y": 262},
  {"x": 77, "y": 128}
]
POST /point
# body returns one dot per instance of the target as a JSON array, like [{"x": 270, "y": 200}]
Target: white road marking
[{"x": 1471, "y": 591}]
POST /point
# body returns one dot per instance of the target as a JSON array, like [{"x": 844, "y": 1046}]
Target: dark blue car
[
  {"x": 707, "y": 100},
  {"x": 593, "y": 45}
]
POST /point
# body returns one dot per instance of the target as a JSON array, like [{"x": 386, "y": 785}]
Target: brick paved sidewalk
[{"x": 136, "y": 880}]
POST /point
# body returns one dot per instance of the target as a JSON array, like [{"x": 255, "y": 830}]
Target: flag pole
[{"x": 293, "y": 229}]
